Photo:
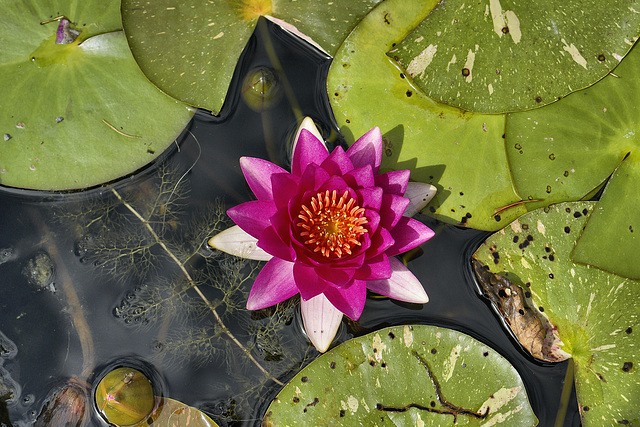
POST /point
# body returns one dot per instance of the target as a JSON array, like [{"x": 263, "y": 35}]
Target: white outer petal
[
  {"x": 402, "y": 285},
  {"x": 419, "y": 194},
  {"x": 321, "y": 321},
  {"x": 307, "y": 123},
  {"x": 238, "y": 242}
]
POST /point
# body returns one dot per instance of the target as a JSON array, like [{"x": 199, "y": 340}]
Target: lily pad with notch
[
  {"x": 593, "y": 313},
  {"x": 461, "y": 153},
  {"x": 190, "y": 49},
  {"x": 76, "y": 110},
  {"x": 501, "y": 55},
  {"x": 405, "y": 375}
]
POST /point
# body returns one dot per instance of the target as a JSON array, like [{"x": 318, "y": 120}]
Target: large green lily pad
[
  {"x": 77, "y": 114},
  {"x": 563, "y": 151},
  {"x": 502, "y": 55},
  {"x": 461, "y": 153},
  {"x": 405, "y": 375},
  {"x": 190, "y": 48},
  {"x": 595, "y": 312}
]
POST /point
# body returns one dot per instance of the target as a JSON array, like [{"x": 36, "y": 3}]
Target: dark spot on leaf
[
  {"x": 433, "y": 404},
  {"x": 434, "y": 351},
  {"x": 150, "y": 151},
  {"x": 585, "y": 211},
  {"x": 383, "y": 365},
  {"x": 585, "y": 408},
  {"x": 296, "y": 399},
  {"x": 601, "y": 57},
  {"x": 521, "y": 312},
  {"x": 332, "y": 365},
  {"x": 372, "y": 362},
  {"x": 495, "y": 254},
  {"x": 304, "y": 379},
  {"x": 538, "y": 99},
  {"x": 528, "y": 284},
  {"x": 567, "y": 230},
  {"x": 530, "y": 237},
  {"x": 485, "y": 354},
  {"x": 552, "y": 258},
  {"x": 515, "y": 239},
  {"x": 566, "y": 173},
  {"x": 552, "y": 156},
  {"x": 627, "y": 366},
  {"x": 497, "y": 218},
  {"x": 402, "y": 76},
  {"x": 392, "y": 335},
  {"x": 548, "y": 189},
  {"x": 631, "y": 229},
  {"x": 629, "y": 330},
  {"x": 601, "y": 377},
  {"x": 505, "y": 30},
  {"x": 432, "y": 209},
  {"x": 466, "y": 72},
  {"x": 541, "y": 309},
  {"x": 409, "y": 93},
  {"x": 518, "y": 147},
  {"x": 375, "y": 350},
  {"x": 468, "y": 215},
  {"x": 568, "y": 210},
  {"x": 461, "y": 193},
  {"x": 463, "y": 220},
  {"x": 378, "y": 406},
  {"x": 387, "y": 18},
  {"x": 453, "y": 210},
  {"x": 623, "y": 422},
  {"x": 547, "y": 249},
  {"x": 525, "y": 226},
  {"x": 59, "y": 119},
  {"x": 550, "y": 275},
  {"x": 527, "y": 294},
  {"x": 577, "y": 214}
]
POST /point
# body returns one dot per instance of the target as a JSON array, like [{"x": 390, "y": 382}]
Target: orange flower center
[{"x": 332, "y": 225}]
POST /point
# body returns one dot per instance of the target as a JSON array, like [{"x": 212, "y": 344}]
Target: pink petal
[
  {"x": 321, "y": 321},
  {"x": 313, "y": 177},
  {"x": 258, "y": 173},
  {"x": 402, "y": 285},
  {"x": 408, "y": 234},
  {"x": 308, "y": 124},
  {"x": 336, "y": 276},
  {"x": 367, "y": 150},
  {"x": 286, "y": 187},
  {"x": 392, "y": 209},
  {"x": 420, "y": 194},
  {"x": 360, "y": 177},
  {"x": 236, "y": 241},
  {"x": 381, "y": 241},
  {"x": 337, "y": 163},
  {"x": 308, "y": 282},
  {"x": 377, "y": 268},
  {"x": 274, "y": 284},
  {"x": 271, "y": 243},
  {"x": 253, "y": 217},
  {"x": 308, "y": 149},
  {"x": 349, "y": 300},
  {"x": 371, "y": 198},
  {"x": 394, "y": 182}
]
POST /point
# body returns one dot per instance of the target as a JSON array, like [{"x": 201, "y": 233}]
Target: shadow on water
[{"x": 104, "y": 267}]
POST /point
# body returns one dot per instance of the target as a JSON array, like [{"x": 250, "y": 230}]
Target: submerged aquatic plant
[{"x": 329, "y": 230}]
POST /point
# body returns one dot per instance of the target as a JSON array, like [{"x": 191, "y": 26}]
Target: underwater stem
[
  {"x": 195, "y": 287},
  {"x": 566, "y": 395}
]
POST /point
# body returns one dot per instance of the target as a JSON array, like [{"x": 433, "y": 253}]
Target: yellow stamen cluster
[{"x": 330, "y": 225}]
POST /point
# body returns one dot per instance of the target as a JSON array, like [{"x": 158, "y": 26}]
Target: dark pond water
[{"x": 86, "y": 285}]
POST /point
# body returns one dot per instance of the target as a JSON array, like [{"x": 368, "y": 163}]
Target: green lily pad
[
  {"x": 461, "y": 153},
  {"x": 81, "y": 113},
  {"x": 405, "y": 375},
  {"x": 595, "y": 312},
  {"x": 171, "y": 412},
  {"x": 563, "y": 151},
  {"x": 502, "y": 55},
  {"x": 190, "y": 49}
]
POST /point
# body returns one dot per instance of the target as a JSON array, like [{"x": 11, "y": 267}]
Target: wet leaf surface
[
  {"x": 563, "y": 151},
  {"x": 190, "y": 49},
  {"x": 405, "y": 375},
  {"x": 79, "y": 112},
  {"x": 461, "y": 153},
  {"x": 595, "y": 312},
  {"x": 173, "y": 413},
  {"x": 502, "y": 55}
]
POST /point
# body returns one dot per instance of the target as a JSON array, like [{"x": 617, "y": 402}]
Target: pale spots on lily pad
[
  {"x": 408, "y": 336},
  {"x": 575, "y": 53},
  {"x": 499, "y": 399},
  {"x": 378, "y": 347},
  {"x": 450, "y": 363},
  {"x": 352, "y": 404},
  {"x": 422, "y": 61}
]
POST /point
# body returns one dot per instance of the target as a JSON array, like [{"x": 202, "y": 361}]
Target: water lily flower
[{"x": 329, "y": 230}]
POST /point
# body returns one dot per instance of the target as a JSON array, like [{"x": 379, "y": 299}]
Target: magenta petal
[
  {"x": 337, "y": 163},
  {"x": 349, "y": 300},
  {"x": 272, "y": 244},
  {"x": 394, "y": 182},
  {"x": 402, "y": 285},
  {"x": 361, "y": 177},
  {"x": 337, "y": 276},
  {"x": 381, "y": 241},
  {"x": 308, "y": 282},
  {"x": 370, "y": 198},
  {"x": 286, "y": 188},
  {"x": 258, "y": 173},
  {"x": 367, "y": 150},
  {"x": 312, "y": 178},
  {"x": 408, "y": 234},
  {"x": 274, "y": 284},
  {"x": 392, "y": 209},
  {"x": 253, "y": 217},
  {"x": 308, "y": 150},
  {"x": 376, "y": 268},
  {"x": 321, "y": 321}
]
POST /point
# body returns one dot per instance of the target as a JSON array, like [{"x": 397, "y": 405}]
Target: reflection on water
[{"x": 121, "y": 275}]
